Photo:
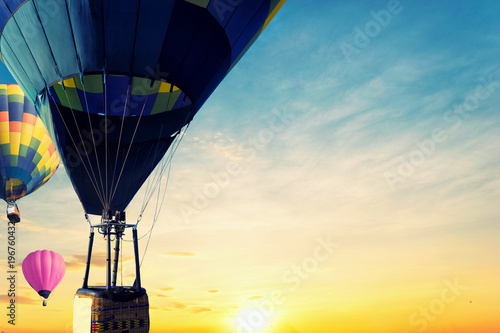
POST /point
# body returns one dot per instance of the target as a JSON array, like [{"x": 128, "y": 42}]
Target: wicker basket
[{"x": 127, "y": 314}]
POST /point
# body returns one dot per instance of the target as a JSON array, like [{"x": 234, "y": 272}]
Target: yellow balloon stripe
[{"x": 28, "y": 156}]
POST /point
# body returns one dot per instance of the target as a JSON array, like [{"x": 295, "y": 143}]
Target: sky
[{"x": 343, "y": 178}]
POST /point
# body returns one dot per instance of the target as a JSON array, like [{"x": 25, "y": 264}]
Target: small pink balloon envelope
[{"x": 44, "y": 270}]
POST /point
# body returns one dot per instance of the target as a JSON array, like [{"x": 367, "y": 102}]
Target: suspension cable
[
  {"x": 157, "y": 214},
  {"x": 179, "y": 138},
  {"x": 80, "y": 134},
  {"x": 157, "y": 187},
  {"x": 81, "y": 159},
  {"x": 92, "y": 134},
  {"x": 120, "y": 136},
  {"x": 129, "y": 147}
]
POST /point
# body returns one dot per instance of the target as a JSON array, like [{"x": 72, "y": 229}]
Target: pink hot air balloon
[{"x": 44, "y": 270}]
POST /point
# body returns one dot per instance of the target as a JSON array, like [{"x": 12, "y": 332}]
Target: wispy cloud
[
  {"x": 254, "y": 298},
  {"x": 199, "y": 310},
  {"x": 178, "y": 305},
  {"x": 159, "y": 308},
  {"x": 213, "y": 291},
  {"x": 5, "y": 299}
]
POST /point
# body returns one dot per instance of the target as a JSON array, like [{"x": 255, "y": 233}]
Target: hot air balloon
[
  {"x": 118, "y": 81},
  {"x": 28, "y": 157},
  {"x": 43, "y": 270}
]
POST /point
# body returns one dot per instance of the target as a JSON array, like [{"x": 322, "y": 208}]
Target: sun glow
[{"x": 254, "y": 319}]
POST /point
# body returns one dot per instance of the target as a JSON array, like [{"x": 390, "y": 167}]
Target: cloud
[
  {"x": 219, "y": 144},
  {"x": 200, "y": 309},
  {"x": 178, "y": 305},
  {"x": 167, "y": 289},
  {"x": 4, "y": 299},
  {"x": 179, "y": 254},
  {"x": 29, "y": 225},
  {"x": 158, "y": 308},
  {"x": 254, "y": 298},
  {"x": 36, "y": 228},
  {"x": 213, "y": 291},
  {"x": 194, "y": 309}
]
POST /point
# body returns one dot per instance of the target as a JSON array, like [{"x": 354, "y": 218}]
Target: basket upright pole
[
  {"x": 108, "y": 260},
  {"x": 115, "y": 262},
  {"x": 89, "y": 256},
  {"x": 136, "y": 255}
]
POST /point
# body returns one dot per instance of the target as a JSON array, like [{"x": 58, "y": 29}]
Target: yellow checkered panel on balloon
[{"x": 28, "y": 157}]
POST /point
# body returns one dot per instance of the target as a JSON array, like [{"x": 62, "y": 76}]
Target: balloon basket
[
  {"x": 111, "y": 308},
  {"x": 125, "y": 312}
]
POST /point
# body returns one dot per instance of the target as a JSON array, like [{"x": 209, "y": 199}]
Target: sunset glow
[{"x": 344, "y": 178}]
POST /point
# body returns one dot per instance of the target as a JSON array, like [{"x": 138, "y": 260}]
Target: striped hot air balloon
[{"x": 28, "y": 158}]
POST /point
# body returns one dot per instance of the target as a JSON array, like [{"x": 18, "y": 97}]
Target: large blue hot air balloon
[{"x": 119, "y": 79}]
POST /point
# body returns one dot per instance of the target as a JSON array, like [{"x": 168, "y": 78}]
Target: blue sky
[{"x": 382, "y": 136}]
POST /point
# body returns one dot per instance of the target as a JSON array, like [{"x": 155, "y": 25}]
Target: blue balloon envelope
[{"x": 118, "y": 79}]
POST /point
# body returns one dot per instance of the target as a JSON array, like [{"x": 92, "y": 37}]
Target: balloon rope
[
  {"x": 108, "y": 202},
  {"x": 81, "y": 159},
  {"x": 133, "y": 167},
  {"x": 104, "y": 78},
  {"x": 129, "y": 94},
  {"x": 149, "y": 182},
  {"x": 155, "y": 218},
  {"x": 92, "y": 135},
  {"x": 168, "y": 161},
  {"x": 152, "y": 184},
  {"x": 81, "y": 138},
  {"x": 86, "y": 103},
  {"x": 158, "y": 168},
  {"x": 157, "y": 213},
  {"x": 120, "y": 137},
  {"x": 150, "y": 178},
  {"x": 128, "y": 150}
]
